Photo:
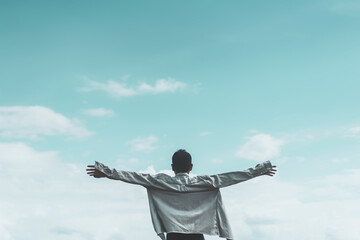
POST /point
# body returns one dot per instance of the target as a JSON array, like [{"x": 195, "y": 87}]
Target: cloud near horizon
[
  {"x": 30, "y": 122},
  {"x": 143, "y": 143},
  {"x": 98, "y": 112},
  {"x": 121, "y": 90},
  {"x": 50, "y": 199},
  {"x": 206, "y": 133},
  {"x": 353, "y": 132}
]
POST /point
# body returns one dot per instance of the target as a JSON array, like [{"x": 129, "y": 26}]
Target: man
[{"x": 185, "y": 207}]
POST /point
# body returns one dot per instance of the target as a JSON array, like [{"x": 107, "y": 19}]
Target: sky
[{"x": 127, "y": 83}]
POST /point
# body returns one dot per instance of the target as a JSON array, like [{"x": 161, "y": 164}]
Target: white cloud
[
  {"x": 348, "y": 8},
  {"x": 126, "y": 163},
  {"x": 111, "y": 87},
  {"x": 99, "y": 112},
  {"x": 121, "y": 90},
  {"x": 18, "y": 159},
  {"x": 47, "y": 198},
  {"x": 260, "y": 147},
  {"x": 353, "y": 132},
  {"x": 133, "y": 160},
  {"x": 143, "y": 143},
  {"x": 217, "y": 160},
  {"x": 151, "y": 170},
  {"x": 32, "y": 121},
  {"x": 340, "y": 160},
  {"x": 206, "y": 133},
  {"x": 161, "y": 86},
  {"x": 275, "y": 209}
]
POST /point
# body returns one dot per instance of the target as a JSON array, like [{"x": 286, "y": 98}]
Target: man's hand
[
  {"x": 94, "y": 172},
  {"x": 271, "y": 172}
]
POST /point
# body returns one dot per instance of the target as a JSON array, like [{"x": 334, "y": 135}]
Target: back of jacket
[{"x": 189, "y": 212}]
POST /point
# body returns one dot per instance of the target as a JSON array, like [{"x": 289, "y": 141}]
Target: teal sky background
[
  {"x": 243, "y": 82},
  {"x": 281, "y": 68}
]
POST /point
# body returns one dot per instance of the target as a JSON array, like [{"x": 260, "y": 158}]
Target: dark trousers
[{"x": 183, "y": 236}]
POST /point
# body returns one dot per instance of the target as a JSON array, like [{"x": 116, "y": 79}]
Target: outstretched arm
[
  {"x": 100, "y": 170},
  {"x": 230, "y": 178}
]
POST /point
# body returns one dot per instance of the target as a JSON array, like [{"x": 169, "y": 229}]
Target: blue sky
[{"x": 128, "y": 83}]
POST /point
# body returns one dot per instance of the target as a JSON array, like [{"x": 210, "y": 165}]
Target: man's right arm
[{"x": 100, "y": 170}]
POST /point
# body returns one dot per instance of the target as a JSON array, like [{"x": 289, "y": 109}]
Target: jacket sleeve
[
  {"x": 230, "y": 178},
  {"x": 142, "y": 179}
]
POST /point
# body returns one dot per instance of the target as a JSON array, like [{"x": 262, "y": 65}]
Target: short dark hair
[{"x": 181, "y": 161}]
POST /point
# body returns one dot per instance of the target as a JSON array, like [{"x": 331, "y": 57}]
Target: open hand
[
  {"x": 93, "y": 172},
  {"x": 271, "y": 172}
]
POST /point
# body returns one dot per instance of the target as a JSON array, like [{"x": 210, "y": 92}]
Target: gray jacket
[{"x": 185, "y": 204}]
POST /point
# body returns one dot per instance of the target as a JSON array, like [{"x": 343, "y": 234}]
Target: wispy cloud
[
  {"x": 17, "y": 159},
  {"x": 206, "y": 133},
  {"x": 151, "y": 170},
  {"x": 340, "y": 160},
  {"x": 143, "y": 143},
  {"x": 217, "y": 160},
  {"x": 260, "y": 147},
  {"x": 98, "y": 112},
  {"x": 348, "y": 8},
  {"x": 353, "y": 132},
  {"x": 111, "y": 87},
  {"x": 43, "y": 193},
  {"x": 126, "y": 163},
  {"x": 161, "y": 86},
  {"x": 118, "y": 89},
  {"x": 33, "y": 121}
]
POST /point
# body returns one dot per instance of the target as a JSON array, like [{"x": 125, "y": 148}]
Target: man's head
[{"x": 181, "y": 161}]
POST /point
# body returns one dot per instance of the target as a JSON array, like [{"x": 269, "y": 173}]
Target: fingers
[
  {"x": 90, "y": 168},
  {"x": 273, "y": 170},
  {"x": 93, "y": 174},
  {"x": 91, "y": 171},
  {"x": 271, "y": 173}
]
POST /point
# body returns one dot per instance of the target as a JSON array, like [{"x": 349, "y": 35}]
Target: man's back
[{"x": 188, "y": 212}]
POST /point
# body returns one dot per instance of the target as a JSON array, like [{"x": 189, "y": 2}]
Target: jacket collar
[{"x": 182, "y": 174}]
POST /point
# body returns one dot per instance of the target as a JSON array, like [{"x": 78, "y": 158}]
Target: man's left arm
[{"x": 230, "y": 178}]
